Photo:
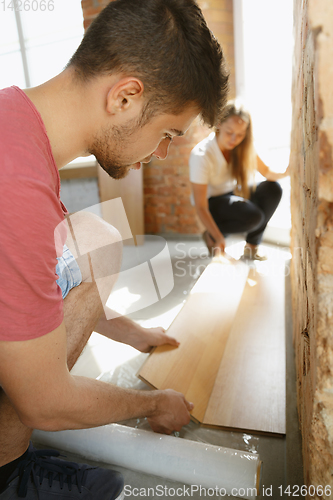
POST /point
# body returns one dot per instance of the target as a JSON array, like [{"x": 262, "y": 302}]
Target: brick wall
[
  {"x": 90, "y": 10},
  {"x": 312, "y": 234},
  {"x": 167, "y": 189},
  {"x": 167, "y": 205}
]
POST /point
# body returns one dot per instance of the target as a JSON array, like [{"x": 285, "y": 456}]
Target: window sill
[{"x": 82, "y": 168}]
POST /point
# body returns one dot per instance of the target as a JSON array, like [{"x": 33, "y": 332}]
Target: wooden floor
[{"x": 231, "y": 360}]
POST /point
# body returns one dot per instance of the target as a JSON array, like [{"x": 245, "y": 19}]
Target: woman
[{"x": 227, "y": 202}]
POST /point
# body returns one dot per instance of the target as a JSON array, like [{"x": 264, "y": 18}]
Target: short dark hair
[{"x": 164, "y": 43}]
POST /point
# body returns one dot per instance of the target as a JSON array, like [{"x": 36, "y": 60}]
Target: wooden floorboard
[
  {"x": 249, "y": 392},
  {"x": 231, "y": 361},
  {"x": 202, "y": 327}
]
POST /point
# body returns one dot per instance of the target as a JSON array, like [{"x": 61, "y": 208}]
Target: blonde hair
[{"x": 243, "y": 160}]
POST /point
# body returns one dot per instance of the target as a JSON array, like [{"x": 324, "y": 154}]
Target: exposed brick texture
[
  {"x": 170, "y": 178},
  {"x": 219, "y": 17},
  {"x": 90, "y": 10},
  {"x": 312, "y": 234},
  {"x": 166, "y": 183}
]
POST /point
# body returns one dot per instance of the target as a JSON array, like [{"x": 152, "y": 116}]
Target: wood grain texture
[
  {"x": 231, "y": 361},
  {"x": 202, "y": 327},
  {"x": 249, "y": 392},
  {"x": 130, "y": 189}
]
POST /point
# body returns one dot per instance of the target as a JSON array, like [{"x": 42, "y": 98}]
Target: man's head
[
  {"x": 165, "y": 44},
  {"x": 119, "y": 148}
]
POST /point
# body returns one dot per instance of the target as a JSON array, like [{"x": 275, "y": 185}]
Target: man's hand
[
  {"x": 124, "y": 330},
  {"x": 172, "y": 412},
  {"x": 35, "y": 377},
  {"x": 153, "y": 337}
]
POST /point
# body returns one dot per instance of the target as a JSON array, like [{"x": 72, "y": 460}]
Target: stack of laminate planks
[{"x": 231, "y": 358}]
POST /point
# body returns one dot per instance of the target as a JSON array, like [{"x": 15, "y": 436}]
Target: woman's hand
[
  {"x": 268, "y": 173},
  {"x": 286, "y": 172},
  {"x": 213, "y": 237},
  {"x": 218, "y": 246},
  {"x": 275, "y": 176},
  {"x": 215, "y": 246}
]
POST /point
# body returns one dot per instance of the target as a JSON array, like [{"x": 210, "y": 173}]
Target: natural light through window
[
  {"x": 51, "y": 30},
  {"x": 264, "y": 50}
]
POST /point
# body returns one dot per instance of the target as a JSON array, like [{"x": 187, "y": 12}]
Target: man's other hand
[{"x": 172, "y": 412}]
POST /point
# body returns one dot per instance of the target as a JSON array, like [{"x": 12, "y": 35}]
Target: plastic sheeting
[{"x": 190, "y": 462}]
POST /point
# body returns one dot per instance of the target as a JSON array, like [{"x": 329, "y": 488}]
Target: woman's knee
[
  {"x": 271, "y": 188},
  {"x": 255, "y": 217},
  {"x": 276, "y": 190}
]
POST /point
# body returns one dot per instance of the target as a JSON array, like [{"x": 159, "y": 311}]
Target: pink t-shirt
[{"x": 30, "y": 210}]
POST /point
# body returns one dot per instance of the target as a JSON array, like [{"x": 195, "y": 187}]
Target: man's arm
[
  {"x": 35, "y": 377},
  {"x": 123, "y": 329}
]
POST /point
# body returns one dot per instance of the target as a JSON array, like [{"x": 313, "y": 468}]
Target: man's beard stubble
[{"x": 111, "y": 161}]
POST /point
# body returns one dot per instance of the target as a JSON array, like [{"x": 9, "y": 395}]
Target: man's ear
[{"x": 124, "y": 94}]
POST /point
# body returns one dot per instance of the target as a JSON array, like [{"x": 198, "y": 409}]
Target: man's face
[{"x": 117, "y": 149}]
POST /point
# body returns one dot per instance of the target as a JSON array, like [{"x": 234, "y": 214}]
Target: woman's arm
[
  {"x": 269, "y": 174},
  {"x": 201, "y": 205}
]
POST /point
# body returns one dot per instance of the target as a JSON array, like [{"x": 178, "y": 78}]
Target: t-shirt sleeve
[
  {"x": 30, "y": 300},
  {"x": 199, "y": 167}
]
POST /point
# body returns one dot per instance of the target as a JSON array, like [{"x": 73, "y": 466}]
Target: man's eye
[{"x": 167, "y": 136}]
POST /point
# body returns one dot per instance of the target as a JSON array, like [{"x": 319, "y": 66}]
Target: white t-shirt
[{"x": 208, "y": 166}]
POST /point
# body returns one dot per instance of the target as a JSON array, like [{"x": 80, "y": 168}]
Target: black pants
[{"x": 234, "y": 214}]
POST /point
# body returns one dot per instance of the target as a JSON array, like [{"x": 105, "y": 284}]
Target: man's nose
[{"x": 162, "y": 150}]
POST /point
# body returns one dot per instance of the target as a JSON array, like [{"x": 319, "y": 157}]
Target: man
[{"x": 144, "y": 70}]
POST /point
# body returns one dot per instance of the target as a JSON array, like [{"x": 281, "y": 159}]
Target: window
[
  {"x": 263, "y": 57},
  {"x": 37, "y": 38}
]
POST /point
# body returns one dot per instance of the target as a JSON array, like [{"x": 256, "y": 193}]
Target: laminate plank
[
  {"x": 249, "y": 392},
  {"x": 202, "y": 327}
]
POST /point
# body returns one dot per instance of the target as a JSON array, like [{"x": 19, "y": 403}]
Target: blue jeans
[{"x": 68, "y": 271}]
